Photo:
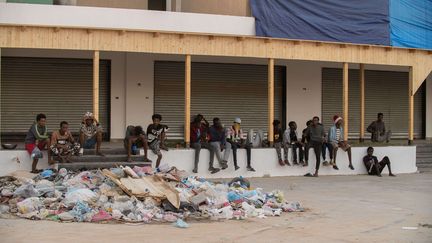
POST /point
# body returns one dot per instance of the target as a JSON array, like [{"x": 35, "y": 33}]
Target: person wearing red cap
[{"x": 337, "y": 140}]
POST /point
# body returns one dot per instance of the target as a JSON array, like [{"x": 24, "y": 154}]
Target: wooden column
[
  {"x": 270, "y": 100},
  {"x": 345, "y": 99},
  {"x": 362, "y": 102},
  {"x": 187, "y": 100},
  {"x": 410, "y": 107},
  {"x": 96, "y": 84}
]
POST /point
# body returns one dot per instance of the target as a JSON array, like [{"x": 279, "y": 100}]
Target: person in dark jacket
[
  {"x": 373, "y": 166},
  {"x": 199, "y": 139}
]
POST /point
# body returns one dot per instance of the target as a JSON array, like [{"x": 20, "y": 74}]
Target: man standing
[
  {"x": 235, "y": 138},
  {"x": 378, "y": 130},
  {"x": 90, "y": 134},
  {"x": 337, "y": 140},
  {"x": 373, "y": 166},
  {"x": 36, "y": 140},
  {"x": 199, "y": 139},
  {"x": 155, "y": 132},
  {"x": 218, "y": 142},
  {"x": 317, "y": 136},
  {"x": 63, "y": 144}
]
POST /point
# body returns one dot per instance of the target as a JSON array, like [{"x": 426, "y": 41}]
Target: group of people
[
  {"x": 62, "y": 144},
  {"x": 315, "y": 137},
  {"x": 216, "y": 138}
]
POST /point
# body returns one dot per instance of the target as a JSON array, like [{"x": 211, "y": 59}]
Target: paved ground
[{"x": 340, "y": 209}]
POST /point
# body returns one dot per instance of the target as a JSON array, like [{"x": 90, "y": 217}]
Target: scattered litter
[
  {"x": 181, "y": 224},
  {"x": 409, "y": 228},
  {"x": 135, "y": 196}
]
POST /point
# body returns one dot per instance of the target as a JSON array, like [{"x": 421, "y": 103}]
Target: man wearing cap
[
  {"x": 235, "y": 138},
  {"x": 337, "y": 140},
  {"x": 90, "y": 134}
]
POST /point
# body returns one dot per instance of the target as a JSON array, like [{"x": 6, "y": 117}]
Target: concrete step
[
  {"x": 424, "y": 155},
  {"x": 423, "y": 160},
  {"x": 106, "y": 158},
  {"x": 424, "y": 148},
  {"x": 99, "y": 165},
  {"x": 106, "y": 151}
]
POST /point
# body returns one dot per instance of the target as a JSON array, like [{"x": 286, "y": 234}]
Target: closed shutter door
[
  {"x": 218, "y": 90},
  {"x": 385, "y": 92},
  {"x": 59, "y": 88}
]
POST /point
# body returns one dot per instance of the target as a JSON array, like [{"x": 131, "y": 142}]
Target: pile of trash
[{"x": 138, "y": 194}]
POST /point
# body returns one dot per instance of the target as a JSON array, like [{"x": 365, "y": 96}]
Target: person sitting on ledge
[
  {"x": 373, "y": 166},
  {"x": 63, "y": 144},
  {"x": 90, "y": 134},
  {"x": 337, "y": 140},
  {"x": 378, "y": 130},
  {"x": 37, "y": 139},
  {"x": 135, "y": 138},
  {"x": 235, "y": 138}
]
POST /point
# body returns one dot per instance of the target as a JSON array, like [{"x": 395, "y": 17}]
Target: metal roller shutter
[
  {"x": 60, "y": 88},
  {"x": 385, "y": 92},
  {"x": 218, "y": 90}
]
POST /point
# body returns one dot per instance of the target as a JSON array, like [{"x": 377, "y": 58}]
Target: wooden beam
[
  {"x": 96, "y": 84},
  {"x": 89, "y": 31},
  {"x": 267, "y": 40},
  {"x": 141, "y": 41},
  {"x": 211, "y": 37},
  {"x": 187, "y": 100},
  {"x": 342, "y": 45},
  {"x": 270, "y": 101},
  {"x": 318, "y": 43},
  {"x": 182, "y": 36},
  {"x": 410, "y": 107},
  {"x": 345, "y": 100},
  {"x": 122, "y": 32},
  {"x": 240, "y": 38},
  {"x": 411, "y": 50},
  {"x": 56, "y": 29},
  {"x": 156, "y": 34},
  {"x": 362, "y": 102},
  {"x": 388, "y": 48}
]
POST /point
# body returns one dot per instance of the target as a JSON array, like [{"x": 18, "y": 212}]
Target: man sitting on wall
[
  {"x": 235, "y": 139},
  {"x": 199, "y": 139},
  {"x": 36, "y": 140},
  {"x": 134, "y": 140},
  {"x": 378, "y": 130},
  {"x": 373, "y": 166},
  {"x": 63, "y": 144},
  {"x": 90, "y": 134}
]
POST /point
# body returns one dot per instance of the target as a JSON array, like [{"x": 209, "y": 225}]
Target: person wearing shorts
[
  {"x": 155, "y": 131},
  {"x": 90, "y": 134},
  {"x": 337, "y": 140},
  {"x": 36, "y": 140},
  {"x": 135, "y": 138},
  {"x": 63, "y": 144}
]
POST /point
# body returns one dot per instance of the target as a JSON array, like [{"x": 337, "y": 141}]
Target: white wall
[
  {"x": 429, "y": 107},
  {"x": 403, "y": 160},
  {"x": 132, "y": 19}
]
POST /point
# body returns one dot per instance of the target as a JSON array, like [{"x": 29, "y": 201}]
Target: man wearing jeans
[
  {"x": 235, "y": 138},
  {"x": 218, "y": 142},
  {"x": 316, "y": 138},
  {"x": 199, "y": 139}
]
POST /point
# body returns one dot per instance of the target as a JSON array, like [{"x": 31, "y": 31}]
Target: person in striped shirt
[{"x": 337, "y": 140}]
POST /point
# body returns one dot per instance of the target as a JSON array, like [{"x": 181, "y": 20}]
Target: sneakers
[
  {"x": 195, "y": 170},
  {"x": 281, "y": 163},
  {"x": 335, "y": 167},
  {"x": 287, "y": 163},
  {"x": 224, "y": 165},
  {"x": 249, "y": 168},
  {"x": 214, "y": 170},
  {"x": 236, "y": 167}
]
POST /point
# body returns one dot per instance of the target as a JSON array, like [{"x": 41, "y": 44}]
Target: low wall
[{"x": 264, "y": 160}]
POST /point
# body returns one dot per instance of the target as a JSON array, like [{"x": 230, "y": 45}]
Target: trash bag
[
  {"x": 102, "y": 215},
  {"x": 36, "y": 153},
  {"x": 181, "y": 224},
  {"x": 80, "y": 195},
  {"x": 29, "y": 205},
  {"x": 240, "y": 181},
  {"x": 80, "y": 210},
  {"x": 26, "y": 191}
]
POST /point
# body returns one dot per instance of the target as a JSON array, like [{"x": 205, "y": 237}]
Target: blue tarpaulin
[
  {"x": 354, "y": 21},
  {"x": 411, "y": 23}
]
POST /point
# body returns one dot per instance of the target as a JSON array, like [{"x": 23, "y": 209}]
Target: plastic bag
[
  {"x": 181, "y": 224},
  {"x": 66, "y": 216},
  {"x": 29, "y": 205},
  {"x": 26, "y": 191},
  {"x": 36, "y": 153},
  {"x": 102, "y": 215},
  {"x": 249, "y": 209},
  {"x": 80, "y": 210},
  {"x": 79, "y": 195}
]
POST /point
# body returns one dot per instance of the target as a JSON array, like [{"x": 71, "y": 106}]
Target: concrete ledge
[{"x": 264, "y": 160}]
